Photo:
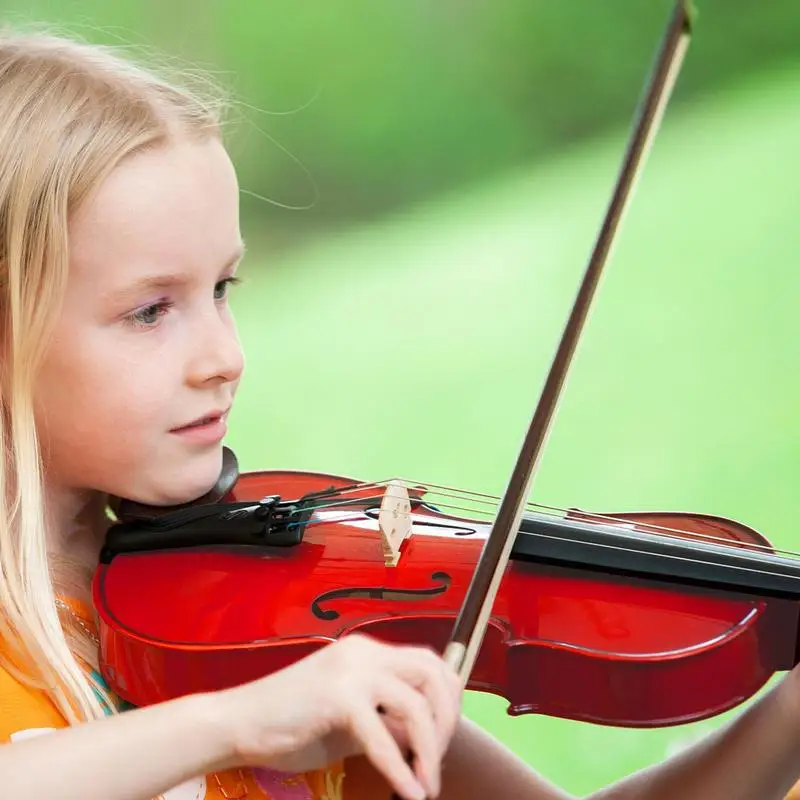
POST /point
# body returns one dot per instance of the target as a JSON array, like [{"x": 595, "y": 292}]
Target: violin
[{"x": 635, "y": 619}]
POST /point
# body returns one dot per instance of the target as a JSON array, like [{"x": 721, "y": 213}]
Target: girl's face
[{"x": 145, "y": 343}]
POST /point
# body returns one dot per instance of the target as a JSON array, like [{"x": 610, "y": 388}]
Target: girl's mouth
[{"x": 205, "y": 430}]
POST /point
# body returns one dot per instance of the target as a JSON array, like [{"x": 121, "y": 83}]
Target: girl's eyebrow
[{"x": 169, "y": 280}]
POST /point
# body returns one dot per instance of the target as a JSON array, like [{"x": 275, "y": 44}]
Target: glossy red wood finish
[{"x": 566, "y": 643}]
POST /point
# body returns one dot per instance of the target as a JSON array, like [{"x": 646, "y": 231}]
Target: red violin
[{"x": 634, "y": 619}]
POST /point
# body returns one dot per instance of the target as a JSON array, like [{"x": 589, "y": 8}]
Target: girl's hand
[{"x": 355, "y": 696}]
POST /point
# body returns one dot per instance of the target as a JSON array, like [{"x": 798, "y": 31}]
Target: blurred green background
[{"x": 422, "y": 184}]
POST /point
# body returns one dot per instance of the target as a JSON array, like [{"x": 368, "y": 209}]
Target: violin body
[{"x": 571, "y": 634}]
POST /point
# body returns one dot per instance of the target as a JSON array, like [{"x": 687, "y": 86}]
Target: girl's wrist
[
  {"x": 210, "y": 716},
  {"x": 237, "y": 736}
]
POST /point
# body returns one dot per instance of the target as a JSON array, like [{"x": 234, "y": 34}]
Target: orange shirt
[{"x": 28, "y": 712}]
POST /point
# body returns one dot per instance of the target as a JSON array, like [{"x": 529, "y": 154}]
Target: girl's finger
[
  {"x": 405, "y": 704},
  {"x": 381, "y": 749},
  {"x": 426, "y": 671}
]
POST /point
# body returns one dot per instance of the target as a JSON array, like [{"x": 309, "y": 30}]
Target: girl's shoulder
[{"x": 24, "y": 710}]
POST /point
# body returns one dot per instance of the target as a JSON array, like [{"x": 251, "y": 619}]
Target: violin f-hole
[{"x": 442, "y": 580}]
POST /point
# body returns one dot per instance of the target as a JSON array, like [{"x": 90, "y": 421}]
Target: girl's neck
[{"x": 76, "y": 525}]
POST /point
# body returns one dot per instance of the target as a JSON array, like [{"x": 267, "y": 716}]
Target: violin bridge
[{"x": 394, "y": 521}]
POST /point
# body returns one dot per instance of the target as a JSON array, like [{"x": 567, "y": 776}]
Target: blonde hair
[{"x": 69, "y": 113}]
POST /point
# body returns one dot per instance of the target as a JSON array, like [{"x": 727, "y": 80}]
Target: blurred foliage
[{"x": 375, "y": 104}]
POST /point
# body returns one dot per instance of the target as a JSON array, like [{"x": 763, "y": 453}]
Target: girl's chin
[{"x": 177, "y": 486}]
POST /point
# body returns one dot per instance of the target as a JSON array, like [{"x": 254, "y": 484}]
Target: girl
[{"x": 119, "y": 238}]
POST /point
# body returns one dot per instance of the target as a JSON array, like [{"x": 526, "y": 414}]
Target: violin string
[
  {"x": 492, "y": 501},
  {"x": 620, "y": 548},
  {"x": 644, "y": 527},
  {"x": 687, "y": 559},
  {"x": 640, "y": 526},
  {"x": 667, "y": 533}
]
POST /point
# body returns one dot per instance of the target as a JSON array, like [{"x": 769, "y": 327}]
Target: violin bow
[
  {"x": 471, "y": 623},
  {"x": 470, "y": 626}
]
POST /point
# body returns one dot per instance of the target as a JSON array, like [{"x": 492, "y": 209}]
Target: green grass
[{"x": 417, "y": 347}]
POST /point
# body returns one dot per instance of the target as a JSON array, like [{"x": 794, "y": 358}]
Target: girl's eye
[
  {"x": 148, "y": 316},
  {"x": 221, "y": 289}
]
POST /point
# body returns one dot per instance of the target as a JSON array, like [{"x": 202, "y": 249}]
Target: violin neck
[{"x": 612, "y": 549}]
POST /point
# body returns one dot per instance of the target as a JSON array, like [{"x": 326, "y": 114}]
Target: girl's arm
[
  {"x": 755, "y": 757},
  {"x": 353, "y": 696},
  {"x": 129, "y": 756}
]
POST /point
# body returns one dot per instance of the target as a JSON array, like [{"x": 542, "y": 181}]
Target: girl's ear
[{"x": 129, "y": 510}]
